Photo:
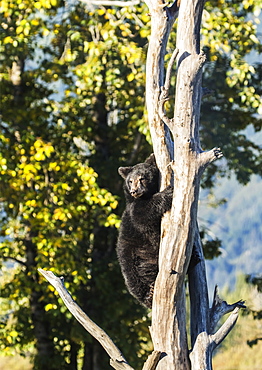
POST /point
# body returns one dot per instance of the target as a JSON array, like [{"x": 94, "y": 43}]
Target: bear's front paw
[{"x": 169, "y": 189}]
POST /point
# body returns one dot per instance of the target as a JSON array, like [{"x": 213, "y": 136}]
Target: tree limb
[
  {"x": 199, "y": 305},
  {"x": 162, "y": 20},
  {"x": 152, "y": 360},
  {"x": 15, "y": 259},
  {"x": 225, "y": 329},
  {"x": 117, "y": 361},
  {"x": 164, "y": 96},
  {"x": 220, "y": 308},
  {"x": 205, "y": 158},
  {"x": 169, "y": 69}
]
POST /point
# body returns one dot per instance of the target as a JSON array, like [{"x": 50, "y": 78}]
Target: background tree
[
  {"x": 51, "y": 139},
  {"x": 65, "y": 98}
]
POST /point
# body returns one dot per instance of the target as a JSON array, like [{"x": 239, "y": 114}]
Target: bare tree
[
  {"x": 181, "y": 160},
  {"x": 179, "y": 227}
]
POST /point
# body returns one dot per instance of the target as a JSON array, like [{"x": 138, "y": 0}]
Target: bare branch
[
  {"x": 117, "y": 359},
  {"x": 220, "y": 308},
  {"x": 161, "y": 4},
  {"x": 169, "y": 69},
  {"x": 174, "y": 7},
  {"x": 199, "y": 308},
  {"x": 201, "y": 355},
  {"x": 152, "y": 361},
  {"x": 15, "y": 259},
  {"x": 161, "y": 109},
  {"x": 163, "y": 98},
  {"x": 162, "y": 20},
  {"x": 225, "y": 329},
  {"x": 205, "y": 158},
  {"x": 119, "y": 365}
]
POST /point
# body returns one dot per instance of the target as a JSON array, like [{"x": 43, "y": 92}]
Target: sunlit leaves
[
  {"x": 225, "y": 29},
  {"x": 229, "y": 36},
  {"x": 35, "y": 176},
  {"x": 240, "y": 76}
]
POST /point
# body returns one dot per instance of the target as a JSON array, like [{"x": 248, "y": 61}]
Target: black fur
[{"x": 139, "y": 236}]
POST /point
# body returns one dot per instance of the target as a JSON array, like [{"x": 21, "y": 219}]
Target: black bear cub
[{"x": 139, "y": 235}]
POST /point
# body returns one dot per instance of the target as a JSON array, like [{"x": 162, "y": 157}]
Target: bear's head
[{"x": 141, "y": 180}]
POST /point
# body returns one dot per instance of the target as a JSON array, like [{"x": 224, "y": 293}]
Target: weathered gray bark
[
  {"x": 162, "y": 22},
  {"x": 180, "y": 226}
]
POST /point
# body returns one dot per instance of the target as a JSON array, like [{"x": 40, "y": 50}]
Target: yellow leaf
[
  {"x": 144, "y": 33},
  {"x": 38, "y": 143},
  {"x": 31, "y": 203},
  {"x": 8, "y": 231},
  {"x": 50, "y": 306},
  {"x": 39, "y": 156},
  {"x": 130, "y": 77},
  {"x": 55, "y": 199},
  {"x": 13, "y": 333},
  {"x": 101, "y": 11},
  {"x": 37, "y": 5},
  {"x": 65, "y": 186},
  {"x": 29, "y": 168},
  {"x": 8, "y": 40},
  {"x": 114, "y": 204},
  {"x": 45, "y": 32},
  {"x": 19, "y": 30},
  {"x": 254, "y": 39},
  {"x": 59, "y": 214},
  {"x": 35, "y": 22}
]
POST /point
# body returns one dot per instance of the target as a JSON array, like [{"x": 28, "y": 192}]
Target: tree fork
[
  {"x": 117, "y": 360},
  {"x": 168, "y": 314}
]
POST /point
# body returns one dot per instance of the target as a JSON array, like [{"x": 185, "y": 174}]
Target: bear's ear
[
  {"x": 124, "y": 171},
  {"x": 151, "y": 159}
]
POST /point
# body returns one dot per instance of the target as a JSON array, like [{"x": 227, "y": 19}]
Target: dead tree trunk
[
  {"x": 179, "y": 228},
  {"x": 179, "y": 156}
]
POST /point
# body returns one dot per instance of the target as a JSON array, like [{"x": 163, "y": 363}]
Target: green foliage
[
  {"x": 229, "y": 36},
  {"x": 211, "y": 247},
  {"x": 68, "y": 115}
]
